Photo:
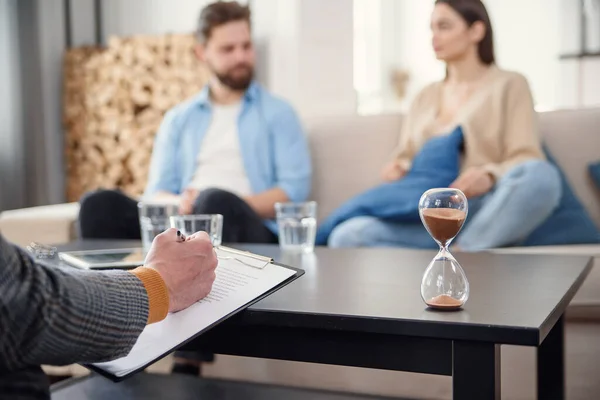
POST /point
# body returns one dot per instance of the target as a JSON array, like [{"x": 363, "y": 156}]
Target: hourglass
[{"x": 444, "y": 285}]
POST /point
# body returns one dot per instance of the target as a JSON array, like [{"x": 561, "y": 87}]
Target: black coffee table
[{"x": 362, "y": 307}]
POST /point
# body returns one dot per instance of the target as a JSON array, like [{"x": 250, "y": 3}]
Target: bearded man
[{"x": 234, "y": 149}]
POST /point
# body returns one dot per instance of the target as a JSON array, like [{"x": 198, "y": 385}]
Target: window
[{"x": 367, "y": 54}]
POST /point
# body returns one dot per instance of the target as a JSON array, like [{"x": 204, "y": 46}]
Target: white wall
[
  {"x": 398, "y": 37},
  {"x": 325, "y": 72},
  {"x": 131, "y": 17},
  {"x": 304, "y": 54},
  {"x": 275, "y": 28},
  {"x": 530, "y": 36},
  {"x": 580, "y": 82},
  {"x": 528, "y": 41},
  {"x": 414, "y": 52}
]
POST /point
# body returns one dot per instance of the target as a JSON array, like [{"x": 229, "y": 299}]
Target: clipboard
[
  {"x": 232, "y": 256},
  {"x": 134, "y": 257}
]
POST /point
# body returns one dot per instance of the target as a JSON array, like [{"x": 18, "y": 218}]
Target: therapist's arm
[
  {"x": 61, "y": 316},
  {"x": 51, "y": 315},
  {"x": 292, "y": 164}
]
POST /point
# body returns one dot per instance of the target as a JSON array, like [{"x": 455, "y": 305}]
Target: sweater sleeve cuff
[
  {"x": 158, "y": 294},
  {"x": 495, "y": 170},
  {"x": 404, "y": 164}
]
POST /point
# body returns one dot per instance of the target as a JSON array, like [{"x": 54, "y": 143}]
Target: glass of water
[
  {"x": 297, "y": 226},
  {"x": 209, "y": 223},
  {"x": 154, "y": 219}
]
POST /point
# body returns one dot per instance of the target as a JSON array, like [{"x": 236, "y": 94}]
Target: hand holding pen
[{"x": 188, "y": 271}]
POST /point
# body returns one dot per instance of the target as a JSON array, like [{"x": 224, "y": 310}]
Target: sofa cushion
[
  {"x": 572, "y": 137},
  {"x": 437, "y": 164},
  {"x": 569, "y": 224},
  {"x": 348, "y": 153}
]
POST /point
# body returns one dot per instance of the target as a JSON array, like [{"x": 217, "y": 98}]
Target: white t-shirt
[{"x": 219, "y": 163}]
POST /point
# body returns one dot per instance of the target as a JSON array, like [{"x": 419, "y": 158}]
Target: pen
[{"x": 180, "y": 237}]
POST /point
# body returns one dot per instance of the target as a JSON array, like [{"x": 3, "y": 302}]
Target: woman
[{"x": 511, "y": 188}]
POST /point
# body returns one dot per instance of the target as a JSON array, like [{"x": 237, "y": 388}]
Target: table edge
[{"x": 561, "y": 307}]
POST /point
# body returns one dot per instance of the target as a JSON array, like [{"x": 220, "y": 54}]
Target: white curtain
[
  {"x": 32, "y": 44},
  {"x": 12, "y": 163}
]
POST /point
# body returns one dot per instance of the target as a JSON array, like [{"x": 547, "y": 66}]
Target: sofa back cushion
[
  {"x": 349, "y": 152},
  {"x": 573, "y": 139},
  {"x": 570, "y": 223}
]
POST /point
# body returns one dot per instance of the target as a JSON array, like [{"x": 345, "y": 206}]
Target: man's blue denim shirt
[{"x": 272, "y": 142}]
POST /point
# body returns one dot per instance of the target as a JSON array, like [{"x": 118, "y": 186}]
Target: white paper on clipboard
[{"x": 241, "y": 278}]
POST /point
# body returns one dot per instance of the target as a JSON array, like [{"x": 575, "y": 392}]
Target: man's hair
[{"x": 220, "y": 13}]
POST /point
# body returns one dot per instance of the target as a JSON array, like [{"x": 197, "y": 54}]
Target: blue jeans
[{"x": 521, "y": 200}]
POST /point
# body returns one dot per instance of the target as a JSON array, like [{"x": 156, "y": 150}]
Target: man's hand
[
  {"x": 474, "y": 182},
  {"x": 188, "y": 268},
  {"x": 264, "y": 203},
  {"x": 186, "y": 202},
  {"x": 392, "y": 172}
]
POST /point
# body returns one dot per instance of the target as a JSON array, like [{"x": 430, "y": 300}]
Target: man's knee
[
  {"x": 212, "y": 201},
  {"x": 107, "y": 214},
  {"x": 96, "y": 201}
]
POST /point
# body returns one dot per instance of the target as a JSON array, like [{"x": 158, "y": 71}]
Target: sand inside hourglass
[
  {"x": 443, "y": 225},
  {"x": 444, "y": 301}
]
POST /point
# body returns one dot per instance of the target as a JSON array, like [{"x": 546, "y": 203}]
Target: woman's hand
[
  {"x": 392, "y": 172},
  {"x": 474, "y": 182}
]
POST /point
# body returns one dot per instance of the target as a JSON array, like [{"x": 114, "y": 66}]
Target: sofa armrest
[{"x": 54, "y": 224}]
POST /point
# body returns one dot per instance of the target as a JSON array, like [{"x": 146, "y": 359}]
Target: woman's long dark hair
[{"x": 474, "y": 11}]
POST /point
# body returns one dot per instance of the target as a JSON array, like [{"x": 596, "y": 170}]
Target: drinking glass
[
  {"x": 297, "y": 224},
  {"x": 209, "y": 223},
  {"x": 154, "y": 219}
]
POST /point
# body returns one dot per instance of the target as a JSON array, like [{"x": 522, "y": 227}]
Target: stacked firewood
[{"x": 114, "y": 102}]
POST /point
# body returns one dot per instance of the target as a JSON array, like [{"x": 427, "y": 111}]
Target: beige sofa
[{"x": 348, "y": 153}]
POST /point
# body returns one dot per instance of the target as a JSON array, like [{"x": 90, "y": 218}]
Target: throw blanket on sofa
[{"x": 436, "y": 165}]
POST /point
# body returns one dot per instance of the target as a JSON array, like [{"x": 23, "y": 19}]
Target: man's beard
[{"x": 234, "y": 81}]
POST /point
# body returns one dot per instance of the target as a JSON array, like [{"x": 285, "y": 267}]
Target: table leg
[
  {"x": 475, "y": 371},
  {"x": 551, "y": 364}
]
